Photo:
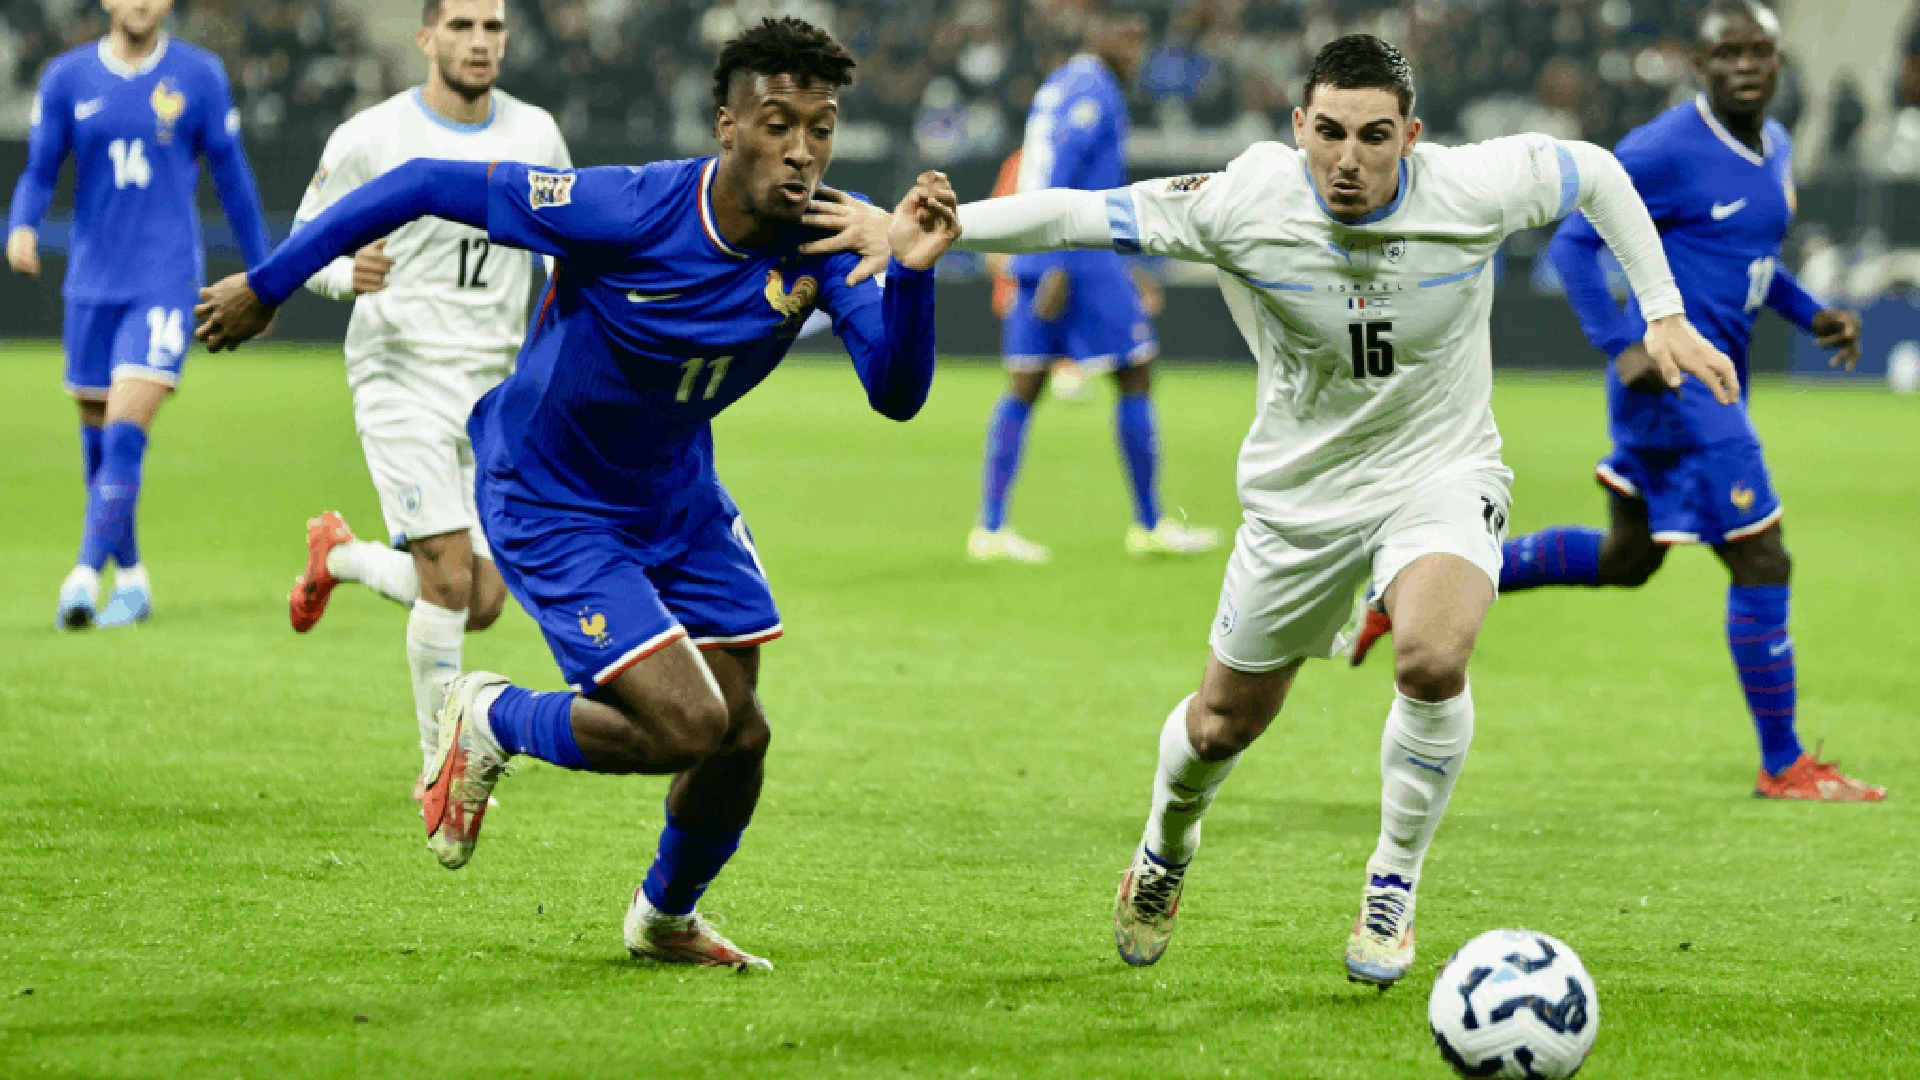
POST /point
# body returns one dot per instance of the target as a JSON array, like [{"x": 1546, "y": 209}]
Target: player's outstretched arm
[
  {"x": 1833, "y": 328},
  {"x": 240, "y": 307},
  {"x": 893, "y": 349},
  {"x": 1057, "y": 219},
  {"x": 1607, "y": 197}
]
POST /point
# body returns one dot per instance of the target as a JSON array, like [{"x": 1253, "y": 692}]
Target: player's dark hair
[
  {"x": 1361, "y": 62},
  {"x": 430, "y": 13},
  {"x": 789, "y": 46},
  {"x": 1716, "y": 15}
]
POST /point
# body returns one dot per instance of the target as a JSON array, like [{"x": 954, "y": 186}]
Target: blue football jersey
[
  {"x": 1076, "y": 138},
  {"x": 651, "y": 326},
  {"x": 136, "y": 134},
  {"x": 1723, "y": 211}
]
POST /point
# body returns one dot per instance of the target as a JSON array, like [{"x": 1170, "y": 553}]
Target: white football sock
[
  {"x": 83, "y": 575},
  {"x": 1183, "y": 788},
  {"x": 377, "y": 566},
  {"x": 1421, "y": 753},
  {"x": 128, "y": 577},
  {"x": 434, "y": 638}
]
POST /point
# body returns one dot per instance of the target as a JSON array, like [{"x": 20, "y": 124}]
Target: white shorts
[
  {"x": 425, "y": 481},
  {"x": 1286, "y": 597}
]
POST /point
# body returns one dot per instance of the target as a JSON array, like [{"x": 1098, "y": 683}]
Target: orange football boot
[
  {"x": 1374, "y": 625},
  {"x": 1813, "y": 780},
  {"x": 308, "y": 600}
]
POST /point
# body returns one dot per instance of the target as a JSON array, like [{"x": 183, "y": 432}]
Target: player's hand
[
  {"x": 926, "y": 223},
  {"x": 370, "y": 266},
  {"x": 856, "y": 226},
  {"x": 1153, "y": 298},
  {"x": 1838, "y": 328},
  {"x": 1637, "y": 371},
  {"x": 1678, "y": 349},
  {"x": 1050, "y": 295},
  {"x": 23, "y": 251},
  {"x": 230, "y": 314}
]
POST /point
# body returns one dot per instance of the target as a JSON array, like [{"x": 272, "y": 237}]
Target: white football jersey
[
  {"x": 454, "y": 311},
  {"x": 1372, "y": 338}
]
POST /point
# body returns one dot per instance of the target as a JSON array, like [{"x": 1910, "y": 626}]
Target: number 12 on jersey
[{"x": 1372, "y": 349}]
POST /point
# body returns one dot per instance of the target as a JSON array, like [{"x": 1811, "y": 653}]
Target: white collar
[
  {"x": 128, "y": 71},
  {"x": 1720, "y": 131}
]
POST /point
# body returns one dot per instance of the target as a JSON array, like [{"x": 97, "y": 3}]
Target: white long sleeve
[
  {"x": 1608, "y": 199},
  {"x": 334, "y": 281},
  {"x": 1056, "y": 219}
]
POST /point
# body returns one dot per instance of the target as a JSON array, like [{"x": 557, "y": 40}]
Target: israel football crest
[
  {"x": 168, "y": 106},
  {"x": 1396, "y": 249}
]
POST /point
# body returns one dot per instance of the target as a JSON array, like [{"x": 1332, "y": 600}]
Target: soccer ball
[{"x": 1514, "y": 1003}]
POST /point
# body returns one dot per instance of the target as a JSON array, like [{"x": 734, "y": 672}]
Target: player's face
[
  {"x": 781, "y": 137},
  {"x": 137, "y": 19},
  {"x": 1740, "y": 65},
  {"x": 466, "y": 45},
  {"x": 1122, "y": 44},
  {"x": 1354, "y": 140}
]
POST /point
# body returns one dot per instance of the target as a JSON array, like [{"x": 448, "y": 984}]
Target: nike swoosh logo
[
  {"x": 634, "y": 296},
  {"x": 86, "y": 109},
  {"x": 1723, "y": 211},
  {"x": 1779, "y": 647}
]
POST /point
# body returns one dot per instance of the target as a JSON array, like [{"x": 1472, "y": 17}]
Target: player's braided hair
[
  {"x": 1362, "y": 62},
  {"x": 788, "y": 46}
]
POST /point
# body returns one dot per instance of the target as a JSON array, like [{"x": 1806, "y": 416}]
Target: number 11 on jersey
[{"x": 690, "y": 374}]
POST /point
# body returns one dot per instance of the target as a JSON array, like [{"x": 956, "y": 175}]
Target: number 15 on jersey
[{"x": 1372, "y": 349}]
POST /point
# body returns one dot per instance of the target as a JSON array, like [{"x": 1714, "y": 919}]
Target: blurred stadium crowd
[{"x": 950, "y": 80}]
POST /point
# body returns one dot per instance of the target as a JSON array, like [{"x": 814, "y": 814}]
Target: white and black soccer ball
[{"x": 1517, "y": 1004}]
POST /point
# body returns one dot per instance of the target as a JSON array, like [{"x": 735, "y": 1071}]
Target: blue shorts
[
  {"x": 145, "y": 338},
  {"x": 1706, "y": 495},
  {"x": 607, "y": 599},
  {"x": 1103, "y": 326}
]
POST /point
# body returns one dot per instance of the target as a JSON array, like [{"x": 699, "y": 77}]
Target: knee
[
  {"x": 749, "y": 737},
  {"x": 1429, "y": 671},
  {"x": 485, "y": 609},
  {"x": 686, "y": 734},
  {"x": 1631, "y": 566},
  {"x": 1768, "y": 565},
  {"x": 1218, "y": 729}
]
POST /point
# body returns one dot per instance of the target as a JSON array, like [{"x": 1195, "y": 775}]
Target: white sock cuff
[
  {"x": 1432, "y": 727},
  {"x": 436, "y": 626},
  {"x": 1179, "y": 760}
]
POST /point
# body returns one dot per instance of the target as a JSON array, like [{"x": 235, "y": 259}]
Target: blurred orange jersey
[{"x": 1004, "y": 287}]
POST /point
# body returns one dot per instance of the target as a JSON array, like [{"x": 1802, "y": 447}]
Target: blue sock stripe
[{"x": 1762, "y": 648}]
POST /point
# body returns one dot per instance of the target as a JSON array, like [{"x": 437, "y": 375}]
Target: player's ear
[
  {"x": 1414, "y": 128},
  {"x": 723, "y": 126},
  {"x": 1299, "y": 126},
  {"x": 423, "y": 38}
]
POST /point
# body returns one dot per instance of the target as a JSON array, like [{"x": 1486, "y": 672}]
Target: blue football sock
[
  {"x": 1139, "y": 438},
  {"x": 1763, "y": 655},
  {"x": 688, "y": 861},
  {"x": 1006, "y": 438},
  {"x": 114, "y": 493},
  {"x": 1562, "y": 555},
  {"x": 537, "y": 725}
]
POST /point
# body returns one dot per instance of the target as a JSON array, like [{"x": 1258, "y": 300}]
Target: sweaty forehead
[{"x": 754, "y": 89}]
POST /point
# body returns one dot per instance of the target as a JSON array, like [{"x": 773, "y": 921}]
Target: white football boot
[
  {"x": 984, "y": 545},
  {"x": 683, "y": 939},
  {"x": 1380, "y": 950},
  {"x": 1172, "y": 538},
  {"x": 459, "y": 783}
]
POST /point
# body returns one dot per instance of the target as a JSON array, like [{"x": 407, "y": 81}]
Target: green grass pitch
[{"x": 209, "y": 866}]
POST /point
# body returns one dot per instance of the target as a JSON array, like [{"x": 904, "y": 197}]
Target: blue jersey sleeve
[
  {"x": 49, "y": 139},
  {"x": 232, "y": 176},
  {"x": 1791, "y": 299},
  {"x": 423, "y": 187},
  {"x": 888, "y": 332},
  {"x": 571, "y": 211},
  {"x": 1575, "y": 254}
]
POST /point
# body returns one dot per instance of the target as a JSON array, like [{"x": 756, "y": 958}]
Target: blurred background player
[
  {"x": 1373, "y": 456},
  {"x": 1717, "y": 175},
  {"x": 1090, "y": 307},
  {"x": 1067, "y": 376},
  {"x": 680, "y": 287},
  {"x": 137, "y": 110},
  {"x": 438, "y": 315}
]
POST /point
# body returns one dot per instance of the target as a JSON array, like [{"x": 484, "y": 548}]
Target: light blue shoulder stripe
[
  {"x": 1279, "y": 286},
  {"x": 1569, "y": 180},
  {"x": 1448, "y": 279},
  {"x": 1123, "y": 222}
]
